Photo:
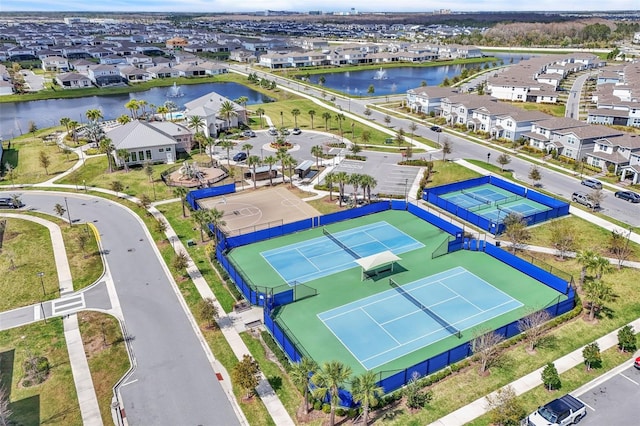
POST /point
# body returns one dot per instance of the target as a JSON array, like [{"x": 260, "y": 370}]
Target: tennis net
[
  {"x": 476, "y": 197},
  {"x": 450, "y": 328},
  {"x": 340, "y": 244}
]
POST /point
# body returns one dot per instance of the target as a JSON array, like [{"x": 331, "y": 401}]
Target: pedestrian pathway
[
  {"x": 87, "y": 400},
  {"x": 526, "y": 383}
]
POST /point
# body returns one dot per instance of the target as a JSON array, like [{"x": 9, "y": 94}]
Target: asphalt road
[
  {"x": 174, "y": 382},
  {"x": 614, "y": 401}
]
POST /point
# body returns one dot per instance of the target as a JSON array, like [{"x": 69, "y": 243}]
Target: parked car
[
  {"x": 285, "y": 132},
  {"x": 436, "y": 129},
  {"x": 630, "y": 196},
  {"x": 566, "y": 410},
  {"x": 636, "y": 363},
  {"x": 249, "y": 134},
  {"x": 7, "y": 203},
  {"x": 296, "y": 131},
  {"x": 273, "y": 131},
  {"x": 585, "y": 200},
  {"x": 241, "y": 156},
  {"x": 592, "y": 183}
]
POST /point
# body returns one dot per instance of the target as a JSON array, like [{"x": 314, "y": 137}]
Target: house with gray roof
[
  {"x": 73, "y": 80},
  {"x": 428, "y": 99},
  {"x": 621, "y": 152},
  {"x": 208, "y": 108}
]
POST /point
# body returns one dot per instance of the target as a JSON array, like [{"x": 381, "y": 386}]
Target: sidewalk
[
  {"x": 87, "y": 400},
  {"x": 479, "y": 407}
]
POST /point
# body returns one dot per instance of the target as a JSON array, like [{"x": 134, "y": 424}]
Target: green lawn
[
  {"x": 53, "y": 402},
  {"x": 24, "y": 157}
]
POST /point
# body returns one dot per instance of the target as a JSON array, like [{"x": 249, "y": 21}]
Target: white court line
[
  {"x": 382, "y": 328},
  {"x": 630, "y": 379}
]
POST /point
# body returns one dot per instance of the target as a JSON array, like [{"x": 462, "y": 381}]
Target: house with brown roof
[{"x": 176, "y": 43}]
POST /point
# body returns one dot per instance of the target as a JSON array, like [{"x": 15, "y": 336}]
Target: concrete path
[
  {"x": 89, "y": 408},
  {"x": 524, "y": 384}
]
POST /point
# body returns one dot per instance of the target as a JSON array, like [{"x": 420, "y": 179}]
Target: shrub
[
  {"x": 317, "y": 405},
  {"x": 326, "y": 408},
  {"x": 273, "y": 346},
  {"x": 341, "y": 412}
]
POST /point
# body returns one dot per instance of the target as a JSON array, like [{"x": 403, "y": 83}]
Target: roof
[
  {"x": 369, "y": 262},
  {"x": 138, "y": 134}
]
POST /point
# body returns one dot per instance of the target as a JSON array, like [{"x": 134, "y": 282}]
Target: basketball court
[{"x": 254, "y": 210}]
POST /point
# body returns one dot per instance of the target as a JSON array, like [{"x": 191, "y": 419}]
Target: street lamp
[
  {"x": 406, "y": 193},
  {"x": 84, "y": 182},
  {"x": 488, "y": 157},
  {"x": 68, "y": 212},
  {"x": 41, "y": 274},
  {"x": 281, "y": 119}
]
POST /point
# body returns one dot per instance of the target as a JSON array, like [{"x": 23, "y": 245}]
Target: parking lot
[{"x": 613, "y": 401}]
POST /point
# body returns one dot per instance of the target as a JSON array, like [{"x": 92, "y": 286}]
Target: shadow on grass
[
  {"x": 25, "y": 411},
  {"x": 275, "y": 382}
]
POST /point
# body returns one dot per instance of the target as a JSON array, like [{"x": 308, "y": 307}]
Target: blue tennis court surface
[
  {"x": 387, "y": 325},
  {"x": 319, "y": 257}
]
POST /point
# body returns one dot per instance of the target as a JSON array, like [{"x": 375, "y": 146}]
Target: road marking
[
  {"x": 36, "y": 312},
  {"x": 128, "y": 383},
  {"x": 68, "y": 305},
  {"x": 630, "y": 379},
  {"x": 588, "y": 406}
]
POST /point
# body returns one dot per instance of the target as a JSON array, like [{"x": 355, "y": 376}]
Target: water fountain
[
  {"x": 380, "y": 74},
  {"x": 174, "y": 91}
]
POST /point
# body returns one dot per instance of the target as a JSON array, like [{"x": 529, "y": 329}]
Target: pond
[{"x": 15, "y": 117}]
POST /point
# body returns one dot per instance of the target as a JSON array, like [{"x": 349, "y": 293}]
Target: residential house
[
  {"x": 162, "y": 71},
  {"x": 104, "y": 75},
  {"x": 190, "y": 70},
  {"x": 73, "y": 80},
  {"x": 208, "y": 108},
  {"x": 143, "y": 143},
  {"x": 55, "y": 63},
  {"x": 458, "y": 109},
  {"x": 428, "y": 99},
  {"x": 134, "y": 75},
  {"x": 621, "y": 153},
  {"x": 513, "y": 125},
  {"x": 139, "y": 61}
]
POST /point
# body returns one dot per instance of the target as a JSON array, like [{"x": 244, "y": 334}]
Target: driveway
[{"x": 174, "y": 382}]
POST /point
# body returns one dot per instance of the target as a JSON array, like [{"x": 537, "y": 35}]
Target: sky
[{"x": 304, "y": 6}]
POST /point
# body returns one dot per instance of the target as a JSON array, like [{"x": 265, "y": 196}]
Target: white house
[
  {"x": 143, "y": 143},
  {"x": 208, "y": 108}
]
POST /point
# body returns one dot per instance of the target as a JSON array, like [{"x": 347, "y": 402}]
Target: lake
[{"x": 15, "y": 117}]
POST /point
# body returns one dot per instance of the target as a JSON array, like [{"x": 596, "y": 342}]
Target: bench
[
  {"x": 253, "y": 324},
  {"x": 191, "y": 243},
  {"x": 378, "y": 272}
]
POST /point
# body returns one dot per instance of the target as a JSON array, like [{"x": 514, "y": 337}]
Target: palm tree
[
  {"x": 311, "y": 114},
  {"x": 586, "y": 259},
  {"x": 368, "y": 182},
  {"x": 260, "y": 112},
  {"x": 600, "y": 266},
  {"x": 123, "y": 119},
  {"x": 291, "y": 164},
  {"x": 270, "y": 161},
  {"x": 254, "y": 161},
  {"x": 162, "y": 109},
  {"x": 354, "y": 180},
  {"x": 143, "y": 105},
  {"x": 242, "y": 100},
  {"x": 73, "y": 125},
  {"x": 123, "y": 155},
  {"x": 329, "y": 379},
  {"x": 201, "y": 218},
  {"x": 247, "y": 147},
  {"x": 342, "y": 178},
  {"x": 295, "y": 112},
  {"x": 326, "y": 116},
  {"x": 227, "y": 144},
  {"x": 133, "y": 105},
  {"x": 94, "y": 115},
  {"x": 227, "y": 110},
  {"x": 196, "y": 123},
  {"x": 340, "y": 118},
  {"x": 282, "y": 157},
  {"x": 106, "y": 147},
  {"x": 215, "y": 216},
  {"x": 64, "y": 121},
  {"x": 330, "y": 179},
  {"x": 316, "y": 151},
  {"x": 300, "y": 374},
  {"x": 181, "y": 192},
  {"x": 366, "y": 391}
]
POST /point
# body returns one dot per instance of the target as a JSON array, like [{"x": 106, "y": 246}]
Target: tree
[
  {"x": 367, "y": 112},
  {"x": 66, "y": 151},
  {"x": 354, "y": 180},
  {"x": 355, "y": 149},
  {"x": 5, "y": 409},
  {"x": 515, "y": 229},
  {"x": 94, "y": 115},
  {"x": 196, "y": 123},
  {"x": 532, "y": 326},
  {"x": 73, "y": 125},
  {"x": 365, "y": 136},
  {"x": 485, "y": 346},
  {"x": 242, "y": 100},
  {"x": 400, "y": 138},
  {"x": 413, "y": 127},
  {"x": 270, "y": 161},
  {"x": 329, "y": 379},
  {"x": 371, "y": 90},
  {"x": 162, "y": 109},
  {"x": 600, "y": 266},
  {"x": 416, "y": 398},
  {"x": 215, "y": 216},
  {"x": 387, "y": 120},
  {"x": 64, "y": 121},
  {"x": 619, "y": 246},
  {"x": 322, "y": 80},
  {"x": 227, "y": 145},
  {"x": 340, "y": 119},
  {"x": 326, "y": 116},
  {"x": 329, "y": 180},
  {"x": 366, "y": 391},
  {"x": 59, "y": 209},
  {"x": 504, "y": 407},
  {"x": 181, "y": 193},
  {"x": 586, "y": 259},
  {"x": 503, "y": 160},
  {"x": 597, "y": 293},
  {"x": 311, "y": 113},
  {"x": 246, "y": 374},
  {"x": 591, "y": 355},
  {"x": 550, "y": 377},
  {"x": 133, "y": 106},
  {"x": 208, "y": 311},
  {"x": 202, "y": 219},
  {"x": 368, "y": 182},
  {"x": 295, "y": 112},
  {"x": 145, "y": 201},
  {"x": 227, "y": 110},
  {"x": 148, "y": 170},
  {"x": 123, "y": 155},
  {"x": 535, "y": 174},
  {"x": 180, "y": 261},
  {"x": 290, "y": 162},
  {"x": 117, "y": 187},
  {"x": 45, "y": 161},
  {"x": 247, "y": 147},
  {"x": 447, "y": 147},
  {"x": 281, "y": 155},
  {"x": 627, "y": 341},
  {"x": 253, "y": 161},
  {"x": 300, "y": 374},
  {"x": 562, "y": 237},
  {"x": 317, "y": 152},
  {"x": 596, "y": 196},
  {"x": 106, "y": 147},
  {"x": 33, "y": 127}
]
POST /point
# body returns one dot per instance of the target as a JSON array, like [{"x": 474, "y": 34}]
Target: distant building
[{"x": 176, "y": 43}]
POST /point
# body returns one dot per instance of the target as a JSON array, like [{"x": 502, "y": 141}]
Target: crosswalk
[{"x": 68, "y": 305}]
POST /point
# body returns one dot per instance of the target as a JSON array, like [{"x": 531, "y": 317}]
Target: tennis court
[
  {"x": 385, "y": 326},
  {"x": 331, "y": 253},
  {"x": 493, "y": 203}
]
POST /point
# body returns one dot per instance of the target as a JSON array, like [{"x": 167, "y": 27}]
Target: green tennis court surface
[
  {"x": 316, "y": 339},
  {"x": 387, "y": 325}
]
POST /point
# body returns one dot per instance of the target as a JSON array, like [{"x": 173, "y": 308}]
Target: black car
[
  {"x": 630, "y": 196},
  {"x": 241, "y": 156},
  {"x": 436, "y": 129}
]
